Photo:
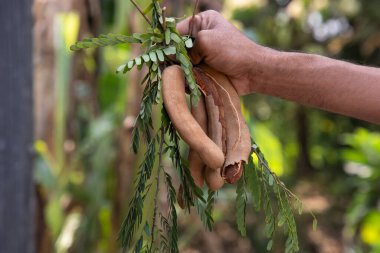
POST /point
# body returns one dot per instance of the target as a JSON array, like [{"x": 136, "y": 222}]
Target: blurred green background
[{"x": 84, "y": 113}]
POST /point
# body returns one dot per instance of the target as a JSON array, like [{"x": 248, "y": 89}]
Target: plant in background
[
  {"x": 163, "y": 46},
  {"x": 362, "y": 163}
]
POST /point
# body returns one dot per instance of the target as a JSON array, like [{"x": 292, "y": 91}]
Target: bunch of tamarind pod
[{"x": 217, "y": 135}]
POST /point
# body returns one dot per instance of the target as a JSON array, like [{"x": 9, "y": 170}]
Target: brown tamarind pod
[
  {"x": 216, "y": 131},
  {"x": 196, "y": 164},
  {"x": 214, "y": 177},
  {"x": 238, "y": 140},
  {"x": 214, "y": 108},
  {"x": 173, "y": 91}
]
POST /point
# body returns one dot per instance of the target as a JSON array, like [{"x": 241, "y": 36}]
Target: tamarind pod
[
  {"x": 214, "y": 177},
  {"x": 214, "y": 108},
  {"x": 196, "y": 165},
  {"x": 238, "y": 140},
  {"x": 215, "y": 129},
  {"x": 173, "y": 91}
]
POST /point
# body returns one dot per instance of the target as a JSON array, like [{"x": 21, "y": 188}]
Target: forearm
[{"x": 322, "y": 82}]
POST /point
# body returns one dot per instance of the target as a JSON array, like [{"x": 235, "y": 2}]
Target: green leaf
[
  {"x": 167, "y": 36},
  {"x": 131, "y": 63},
  {"x": 160, "y": 55},
  {"x": 183, "y": 60},
  {"x": 315, "y": 224},
  {"x": 104, "y": 40},
  {"x": 152, "y": 56},
  {"x": 154, "y": 67},
  {"x": 135, "y": 139},
  {"x": 270, "y": 180},
  {"x": 253, "y": 183},
  {"x": 176, "y": 38},
  {"x": 241, "y": 203},
  {"x": 146, "y": 58},
  {"x": 189, "y": 43},
  {"x": 170, "y": 50},
  {"x": 269, "y": 245},
  {"x": 281, "y": 219},
  {"x": 139, "y": 245},
  {"x": 138, "y": 60},
  {"x": 147, "y": 229},
  {"x": 121, "y": 68}
]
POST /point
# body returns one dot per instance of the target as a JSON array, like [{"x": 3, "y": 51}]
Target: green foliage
[
  {"x": 363, "y": 166},
  {"x": 241, "y": 205},
  {"x": 105, "y": 40},
  {"x": 172, "y": 216},
  {"x": 135, "y": 213},
  {"x": 270, "y": 195},
  {"x": 160, "y": 41},
  {"x": 205, "y": 210}
]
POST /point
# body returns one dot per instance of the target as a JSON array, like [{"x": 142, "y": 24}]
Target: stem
[
  {"x": 157, "y": 182},
  {"x": 192, "y": 18},
  {"x": 141, "y": 12},
  {"x": 164, "y": 18}
]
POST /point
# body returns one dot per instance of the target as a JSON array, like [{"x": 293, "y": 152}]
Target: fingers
[
  {"x": 195, "y": 24},
  {"x": 206, "y": 20},
  {"x": 199, "y": 27},
  {"x": 195, "y": 53}
]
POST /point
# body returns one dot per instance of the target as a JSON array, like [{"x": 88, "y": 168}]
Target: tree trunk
[
  {"x": 16, "y": 124},
  {"x": 303, "y": 162}
]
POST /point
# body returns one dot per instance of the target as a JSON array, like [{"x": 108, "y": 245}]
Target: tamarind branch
[{"x": 191, "y": 23}]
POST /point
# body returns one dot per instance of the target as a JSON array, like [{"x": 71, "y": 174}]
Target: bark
[{"x": 16, "y": 126}]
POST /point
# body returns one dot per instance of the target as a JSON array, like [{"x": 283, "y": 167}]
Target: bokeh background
[{"x": 84, "y": 113}]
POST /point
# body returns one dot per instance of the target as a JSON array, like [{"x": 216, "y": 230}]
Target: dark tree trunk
[
  {"x": 303, "y": 162},
  {"x": 16, "y": 127}
]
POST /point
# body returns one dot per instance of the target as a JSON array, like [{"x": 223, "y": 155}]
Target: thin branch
[
  {"x": 142, "y": 13},
  {"x": 164, "y": 18},
  {"x": 191, "y": 24}
]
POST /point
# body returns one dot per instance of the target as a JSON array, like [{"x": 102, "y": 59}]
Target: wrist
[{"x": 263, "y": 63}]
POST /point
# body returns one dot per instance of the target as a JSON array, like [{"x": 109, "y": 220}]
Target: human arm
[{"x": 310, "y": 80}]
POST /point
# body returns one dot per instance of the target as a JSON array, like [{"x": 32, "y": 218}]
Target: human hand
[{"x": 223, "y": 47}]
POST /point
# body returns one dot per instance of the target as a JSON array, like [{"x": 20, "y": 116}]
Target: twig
[
  {"x": 164, "y": 18},
  {"x": 142, "y": 13},
  {"x": 191, "y": 23}
]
